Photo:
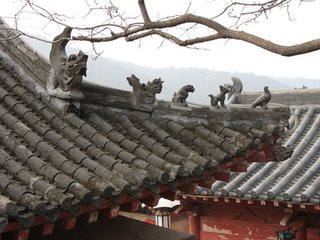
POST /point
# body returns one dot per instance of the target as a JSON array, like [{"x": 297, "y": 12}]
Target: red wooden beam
[
  {"x": 151, "y": 201},
  {"x": 171, "y": 195},
  {"x": 259, "y": 156},
  {"x": 112, "y": 212},
  {"x": 20, "y": 234},
  {"x": 93, "y": 217},
  {"x": 241, "y": 166},
  {"x": 269, "y": 152},
  {"x": 131, "y": 206},
  {"x": 69, "y": 223},
  {"x": 223, "y": 176},
  {"x": 194, "y": 224},
  {"x": 189, "y": 188},
  {"x": 206, "y": 183},
  {"x": 47, "y": 229},
  {"x": 287, "y": 216}
]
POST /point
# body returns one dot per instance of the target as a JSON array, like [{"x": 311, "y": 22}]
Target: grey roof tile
[
  {"x": 142, "y": 153},
  {"x": 88, "y": 131},
  {"x": 8, "y": 208},
  {"x": 32, "y": 139},
  {"x": 9, "y": 119},
  {"x": 21, "y": 129},
  {"x": 135, "y": 133},
  {"x": 114, "y": 149},
  {"x": 116, "y": 136},
  {"x": 3, "y": 94},
  {"x": 30, "y": 118},
  {"x": 100, "y": 140},
  {"x": 124, "y": 121},
  {"x": 126, "y": 156},
  {"x": 55, "y": 138},
  {"x": 21, "y": 194},
  {"x": 173, "y": 143},
  {"x": 221, "y": 142},
  {"x": 21, "y": 109},
  {"x": 82, "y": 142},
  {"x": 73, "y": 152},
  {"x": 122, "y": 154},
  {"x": 240, "y": 139},
  {"x": 146, "y": 141},
  {"x": 131, "y": 146},
  {"x": 48, "y": 114},
  {"x": 159, "y": 150},
  {"x": 70, "y": 133},
  {"x": 160, "y": 134},
  {"x": 58, "y": 123}
]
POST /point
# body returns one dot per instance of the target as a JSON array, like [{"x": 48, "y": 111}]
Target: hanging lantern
[
  {"x": 163, "y": 218},
  {"x": 163, "y": 208}
]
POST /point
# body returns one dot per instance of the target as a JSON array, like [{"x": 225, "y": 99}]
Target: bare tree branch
[
  {"x": 144, "y": 11},
  {"x": 117, "y": 26}
]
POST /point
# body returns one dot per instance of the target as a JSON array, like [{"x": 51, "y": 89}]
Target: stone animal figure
[
  {"x": 263, "y": 99},
  {"x": 181, "y": 96},
  {"x": 144, "y": 94},
  {"x": 219, "y": 98},
  {"x": 67, "y": 72},
  {"x": 235, "y": 90},
  {"x": 282, "y": 153}
]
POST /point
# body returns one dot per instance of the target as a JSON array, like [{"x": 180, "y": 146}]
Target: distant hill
[
  {"x": 112, "y": 73},
  {"x": 300, "y": 82}
]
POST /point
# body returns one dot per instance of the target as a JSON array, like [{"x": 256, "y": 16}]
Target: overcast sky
[{"x": 233, "y": 56}]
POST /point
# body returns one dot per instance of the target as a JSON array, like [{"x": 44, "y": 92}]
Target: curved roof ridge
[
  {"x": 267, "y": 181},
  {"x": 285, "y": 165},
  {"x": 302, "y": 162},
  {"x": 310, "y": 191},
  {"x": 306, "y": 161},
  {"x": 240, "y": 177},
  {"x": 295, "y": 180},
  {"x": 301, "y": 127}
]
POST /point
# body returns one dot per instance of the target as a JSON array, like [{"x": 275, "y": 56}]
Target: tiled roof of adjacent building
[
  {"x": 296, "y": 180},
  {"x": 56, "y": 165}
]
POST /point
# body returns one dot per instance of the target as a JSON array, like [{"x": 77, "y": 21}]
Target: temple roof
[
  {"x": 62, "y": 159},
  {"x": 295, "y": 180}
]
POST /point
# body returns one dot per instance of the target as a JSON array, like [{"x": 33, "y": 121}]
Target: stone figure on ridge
[
  {"x": 214, "y": 100},
  {"x": 144, "y": 94},
  {"x": 181, "y": 96},
  {"x": 263, "y": 99},
  {"x": 235, "y": 89},
  {"x": 67, "y": 71}
]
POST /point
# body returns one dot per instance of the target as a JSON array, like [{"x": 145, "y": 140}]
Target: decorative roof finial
[
  {"x": 263, "y": 99},
  {"x": 144, "y": 94},
  {"x": 219, "y": 98},
  {"x": 66, "y": 76},
  {"x": 235, "y": 90},
  {"x": 181, "y": 96}
]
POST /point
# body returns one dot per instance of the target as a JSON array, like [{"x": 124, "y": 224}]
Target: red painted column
[{"x": 194, "y": 224}]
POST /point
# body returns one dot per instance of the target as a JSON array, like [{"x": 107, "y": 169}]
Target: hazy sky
[{"x": 221, "y": 55}]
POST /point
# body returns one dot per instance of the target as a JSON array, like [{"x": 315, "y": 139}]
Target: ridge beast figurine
[
  {"x": 144, "y": 94},
  {"x": 67, "y": 72},
  {"x": 263, "y": 99},
  {"x": 214, "y": 100},
  {"x": 181, "y": 96},
  {"x": 235, "y": 90}
]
